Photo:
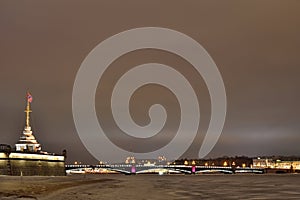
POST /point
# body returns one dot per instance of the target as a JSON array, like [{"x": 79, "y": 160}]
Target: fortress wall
[
  {"x": 37, "y": 168},
  {"x": 3, "y": 164},
  {"x": 31, "y": 167}
]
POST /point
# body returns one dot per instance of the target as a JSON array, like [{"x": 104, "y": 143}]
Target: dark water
[{"x": 285, "y": 186}]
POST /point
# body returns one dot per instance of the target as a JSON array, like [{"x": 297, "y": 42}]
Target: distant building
[
  {"x": 238, "y": 161},
  {"x": 263, "y": 163},
  {"x": 295, "y": 165},
  {"x": 288, "y": 164},
  {"x": 27, "y": 158}
]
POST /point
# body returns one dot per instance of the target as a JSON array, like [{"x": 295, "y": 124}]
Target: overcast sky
[{"x": 255, "y": 45}]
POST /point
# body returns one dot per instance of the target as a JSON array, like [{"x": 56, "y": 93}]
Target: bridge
[{"x": 129, "y": 169}]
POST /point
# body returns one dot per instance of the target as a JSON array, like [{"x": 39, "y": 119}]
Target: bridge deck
[{"x": 133, "y": 169}]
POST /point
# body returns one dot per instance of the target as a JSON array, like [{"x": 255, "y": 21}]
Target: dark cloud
[{"x": 255, "y": 44}]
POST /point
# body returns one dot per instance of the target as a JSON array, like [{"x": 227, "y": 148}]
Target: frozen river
[{"x": 267, "y": 186}]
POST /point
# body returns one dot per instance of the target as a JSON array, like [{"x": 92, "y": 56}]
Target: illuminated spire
[
  {"x": 27, "y": 111},
  {"x": 27, "y": 141}
]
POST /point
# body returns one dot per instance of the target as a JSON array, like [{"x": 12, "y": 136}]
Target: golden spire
[{"x": 27, "y": 111}]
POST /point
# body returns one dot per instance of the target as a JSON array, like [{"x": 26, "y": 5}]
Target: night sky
[{"x": 255, "y": 45}]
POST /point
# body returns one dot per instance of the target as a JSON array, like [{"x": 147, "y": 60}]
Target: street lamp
[{"x": 225, "y": 164}]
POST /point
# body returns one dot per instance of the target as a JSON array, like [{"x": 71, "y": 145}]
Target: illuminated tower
[{"x": 27, "y": 141}]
